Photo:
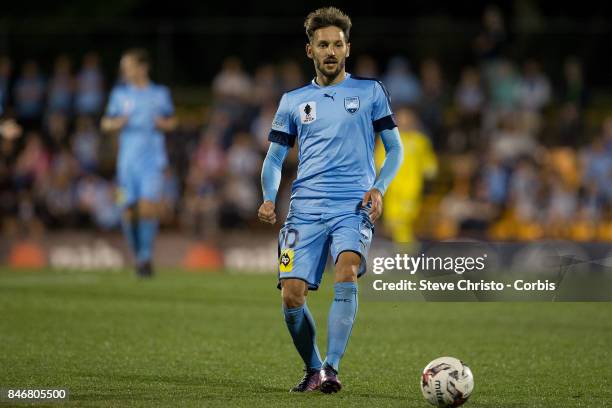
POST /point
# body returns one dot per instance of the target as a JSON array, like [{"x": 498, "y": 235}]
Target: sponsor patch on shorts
[{"x": 285, "y": 261}]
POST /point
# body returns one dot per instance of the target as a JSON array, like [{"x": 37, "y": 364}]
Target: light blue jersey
[
  {"x": 335, "y": 128},
  {"x": 141, "y": 144}
]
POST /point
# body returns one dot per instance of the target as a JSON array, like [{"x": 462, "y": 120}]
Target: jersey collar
[{"x": 314, "y": 82}]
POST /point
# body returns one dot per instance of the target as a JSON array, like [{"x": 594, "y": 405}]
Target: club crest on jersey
[
  {"x": 308, "y": 112},
  {"x": 351, "y": 104},
  {"x": 128, "y": 106}
]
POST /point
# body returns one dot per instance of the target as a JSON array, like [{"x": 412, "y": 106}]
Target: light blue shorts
[
  {"x": 306, "y": 240},
  {"x": 139, "y": 184}
]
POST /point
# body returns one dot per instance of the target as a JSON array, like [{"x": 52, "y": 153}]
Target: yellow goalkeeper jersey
[{"x": 420, "y": 162}]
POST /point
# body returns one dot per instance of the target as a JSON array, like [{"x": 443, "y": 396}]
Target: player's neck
[
  {"x": 322, "y": 80},
  {"x": 141, "y": 83}
]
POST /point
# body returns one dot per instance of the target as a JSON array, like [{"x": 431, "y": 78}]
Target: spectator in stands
[
  {"x": 232, "y": 83},
  {"x": 201, "y": 199},
  {"x": 58, "y": 191},
  {"x": 574, "y": 98},
  {"x": 431, "y": 103},
  {"x": 490, "y": 43},
  {"x": 265, "y": 86},
  {"x": 8, "y": 196},
  {"x": 90, "y": 86},
  {"x": 467, "y": 207},
  {"x": 6, "y": 68},
  {"x": 469, "y": 103},
  {"x": 562, "y": 205},
  {"x": 495, "y": 180},
  {"x": 534, "y": 88},
  {"x": 61, "y": 87},
  {"x": 504, "y": 88},
  {"x": 240, "y": 194},
  {"x": 606, "y": 132},
  {"x": 260, "y": 126},
  {"x": 170, "y": 197},
  {"x": 86, "y": 144},
  {"x": 511, "y": 141},
  {"x": 56, "y": 135},
  {"x": 291, "y": 76},
  {"x": 404, "y": 86},
  {"x": 232, "y": 91},
  {"x": 469, "y": 96},
  {"x": 366, "y": 67},
  {"x": 569, "y": 126},
  {"x": 573, "y": 88},
  {"x": 524, "y": 192},
  {"x": 597, "y": 173},
  {"x": 29, "y": 96},
  {"x": 32, "y": 163},
  {"x": 242, "y": 159}
]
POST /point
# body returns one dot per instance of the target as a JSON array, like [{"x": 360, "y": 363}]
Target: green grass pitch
[{"x": 220, "y": 340}]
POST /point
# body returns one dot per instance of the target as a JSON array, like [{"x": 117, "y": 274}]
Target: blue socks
[
  {"x": 147, "y": 230},
  {"x": 140, "y": 234},
  {"x": 340, "y": 323},
  {"x": 130, "y": 232},
  {"x": 341, "y": 317},
  {"x": 302, "y": 328}
]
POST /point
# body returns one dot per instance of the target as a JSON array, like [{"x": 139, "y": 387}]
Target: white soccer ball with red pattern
[{"x": 447, "y": 382}]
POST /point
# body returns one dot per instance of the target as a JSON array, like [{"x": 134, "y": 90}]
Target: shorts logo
[
  {"x": 120, "y": 197},
  {"x": 285, "y": 261},
  {"x": 351, "y": 104},
  {"x": 308, "y": 112}
]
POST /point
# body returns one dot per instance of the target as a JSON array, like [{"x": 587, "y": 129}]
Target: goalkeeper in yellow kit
[{"x": 402, "y": 201}]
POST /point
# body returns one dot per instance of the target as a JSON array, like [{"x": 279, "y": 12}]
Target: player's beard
[{"x": 331, "y": 75}]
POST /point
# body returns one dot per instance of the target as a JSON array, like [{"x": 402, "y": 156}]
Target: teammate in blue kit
[
  {"x": 336, "y": 195},
  {"x": 141, "y": 111}
]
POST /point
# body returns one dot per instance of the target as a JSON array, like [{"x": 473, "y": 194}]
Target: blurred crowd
[
  {"x": 520, "y": 159},
  {"x": 56, "y": 172}
]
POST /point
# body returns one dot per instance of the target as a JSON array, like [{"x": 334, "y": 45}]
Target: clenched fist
[
  {"x": 375, "y": 197},
  {"x": 266, "y": 212}
]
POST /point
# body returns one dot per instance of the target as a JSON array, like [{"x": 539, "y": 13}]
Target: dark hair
[
  {"x": 140, "y": 55},
  {"x": 327, "y": 17}
]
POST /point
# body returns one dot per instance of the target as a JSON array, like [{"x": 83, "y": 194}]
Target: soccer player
[
  {"x": 403, "y": 198},
  {"x": 141, "y": 111},
  {"x": 336, "y": 196}
]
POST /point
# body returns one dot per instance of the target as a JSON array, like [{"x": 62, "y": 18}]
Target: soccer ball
[{"x": 447, "y": 382}]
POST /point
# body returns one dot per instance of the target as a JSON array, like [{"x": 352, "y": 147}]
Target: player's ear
[
  {"x": 309, "y": 50},
  {"x": 348, "y": 49}
]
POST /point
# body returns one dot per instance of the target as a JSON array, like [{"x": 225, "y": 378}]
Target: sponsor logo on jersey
[
  {"x": 330, "y": 95},
  {"x": 128, "y": 106},
  {"x": 351, "y": 104},
  {"x": 308, "y": 112}
]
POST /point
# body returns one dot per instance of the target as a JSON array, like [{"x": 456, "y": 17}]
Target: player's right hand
[
  {"x": 113, "y": 124},
  {"x": 266, "y": 212},
  {"x": 121, "y": 121}
]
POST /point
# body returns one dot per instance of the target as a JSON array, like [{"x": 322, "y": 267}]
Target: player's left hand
[
  {"x": 374, "y": 196},
  {"x": 166, "y": 124}
]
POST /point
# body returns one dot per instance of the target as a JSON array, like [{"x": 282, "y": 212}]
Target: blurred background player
[
  {"x": 402, "y": 202},
  {"x": 140, "y": 110}
]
